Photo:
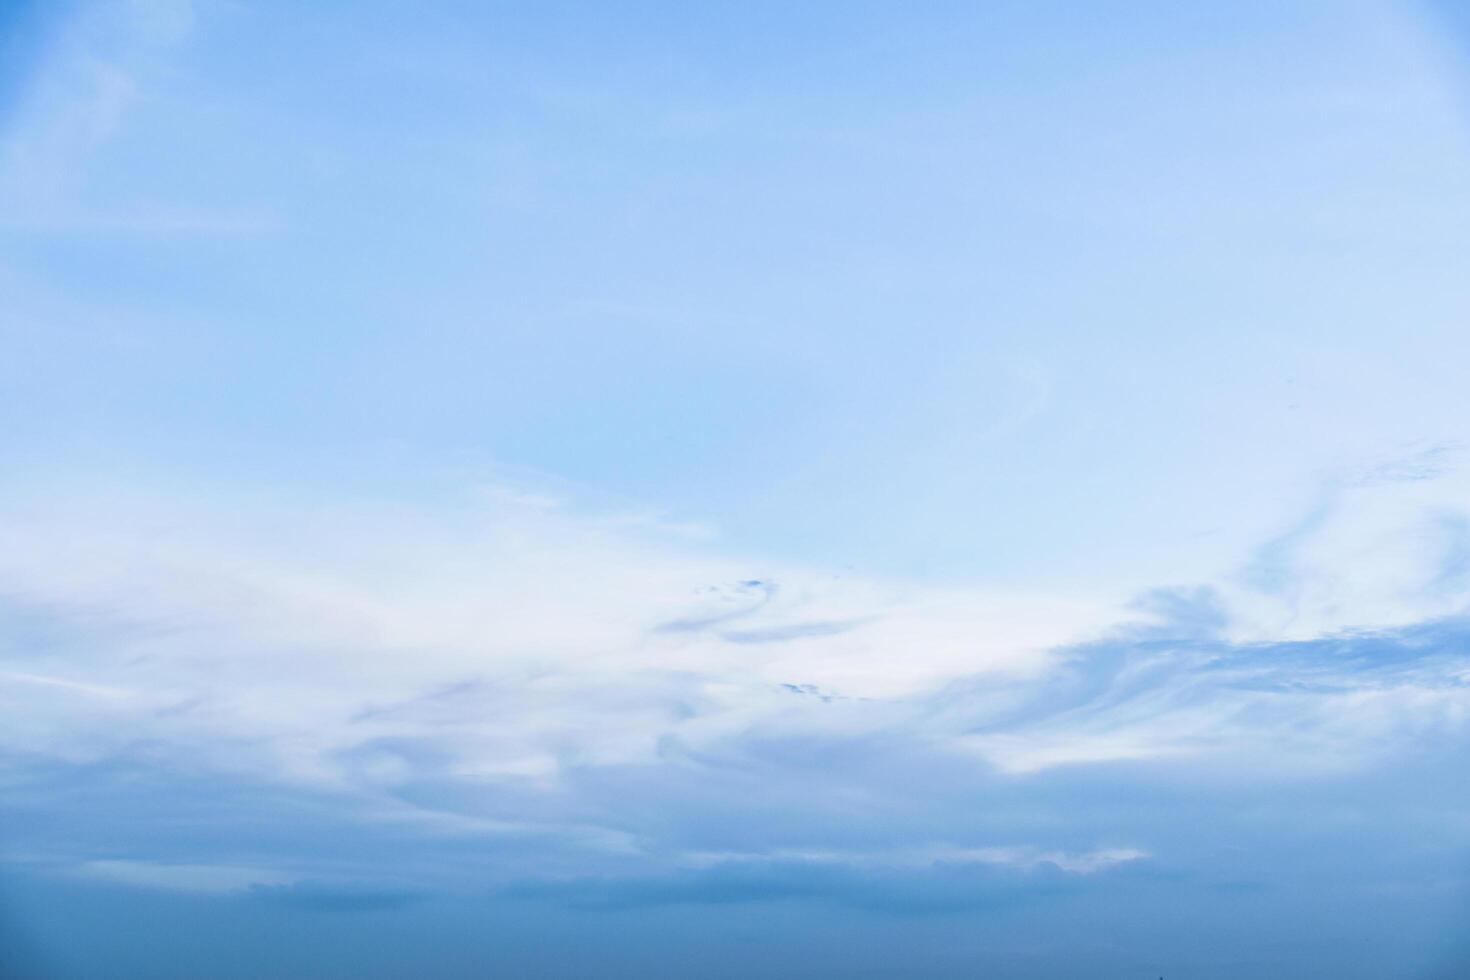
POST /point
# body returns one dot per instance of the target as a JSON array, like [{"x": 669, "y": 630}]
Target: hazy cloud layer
[{"x": 568, "y": 696}]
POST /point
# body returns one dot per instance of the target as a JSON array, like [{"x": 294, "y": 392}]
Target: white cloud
[
  {"x": 510, "y": 645},
  {"x": 523, "y": 635},
  {"x": 1385, "y": 545},
  {"x": 200, "y": 879},
  {"x": 1025, "y": 858}
]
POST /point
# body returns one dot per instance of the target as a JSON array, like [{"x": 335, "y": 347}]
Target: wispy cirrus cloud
[{"x": 97, "y": 63}]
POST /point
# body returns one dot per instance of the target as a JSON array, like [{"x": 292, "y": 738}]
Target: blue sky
[{"x": 857, "y": 489}]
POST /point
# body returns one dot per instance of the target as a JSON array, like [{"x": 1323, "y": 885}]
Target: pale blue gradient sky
[{"x": 996, "y": 465}]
